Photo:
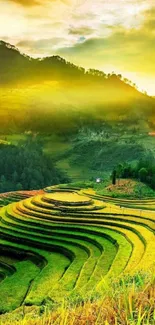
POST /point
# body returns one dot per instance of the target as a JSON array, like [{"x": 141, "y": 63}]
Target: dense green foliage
[
  {"x": 26, "y": 167},
  {"x": 101, "y": 150},
  {"x": 143, "y": 170}
]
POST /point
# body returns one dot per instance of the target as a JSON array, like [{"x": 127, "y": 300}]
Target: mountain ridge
[
  {"x": 12, "y": 53},
  {"x": 64, "y": 96}
]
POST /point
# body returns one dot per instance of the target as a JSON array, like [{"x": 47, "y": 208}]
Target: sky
[{"x": 110, "y": 35}]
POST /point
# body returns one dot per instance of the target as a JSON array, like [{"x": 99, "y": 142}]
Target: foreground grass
[{"x": 129, "y": 301}]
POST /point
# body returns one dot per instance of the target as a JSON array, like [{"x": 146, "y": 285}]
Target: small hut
[{"x": 98, "y": 180}]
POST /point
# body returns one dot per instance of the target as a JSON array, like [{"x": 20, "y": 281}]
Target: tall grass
[{"x": 129, "y": 301}]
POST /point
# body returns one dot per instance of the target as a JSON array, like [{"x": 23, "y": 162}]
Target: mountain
[
  {"x": 17, "y": 67},
  {"x": 65, "y": 97}
]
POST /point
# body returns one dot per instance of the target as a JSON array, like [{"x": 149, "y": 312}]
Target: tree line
[
  {"x": 26, "y": 167},
  {"x": 143, "y": 170}
]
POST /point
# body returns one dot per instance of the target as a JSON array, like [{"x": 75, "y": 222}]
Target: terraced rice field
[
  {"x": 9, "y": 197},
  {"x": 71, "y": 243}
]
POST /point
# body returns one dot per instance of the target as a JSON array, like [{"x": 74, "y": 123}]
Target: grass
[
  {"x": 67, "y": 198},
  {"x": 14, "y": 288},
  {"x": 11, "y": 296},
  {"x": 124, "y": 188},
  {"x": 7, "y": 198},
  {"x": 86, "y": 241},
  {"x": 89, "y": 238},
  {"x": 123, "y": 252},
  {"x": 130, "y": 301}
]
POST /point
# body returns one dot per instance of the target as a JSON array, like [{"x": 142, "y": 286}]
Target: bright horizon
[{"x": 116, "y": 36}]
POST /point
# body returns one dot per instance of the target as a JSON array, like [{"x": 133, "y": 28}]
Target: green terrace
[{"x": 70, "y": 243}]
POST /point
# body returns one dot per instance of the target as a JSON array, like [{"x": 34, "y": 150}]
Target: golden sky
[{"x": 111, "y": 35}]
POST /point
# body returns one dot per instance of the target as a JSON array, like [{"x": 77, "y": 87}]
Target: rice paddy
[{"x": 71, "y": 243}]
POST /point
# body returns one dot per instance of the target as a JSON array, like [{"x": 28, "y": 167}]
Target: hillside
[
  {"x": 75, "y": 244},
  {"x": 84, "y": 156},
  {"x": 64, "y": 96},
  {"x": 87, "y": 122}
]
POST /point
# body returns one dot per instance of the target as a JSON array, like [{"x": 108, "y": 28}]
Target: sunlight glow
[{"x": 74, "y": 28}]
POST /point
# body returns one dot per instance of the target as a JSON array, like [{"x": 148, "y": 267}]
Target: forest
[
  {"x": 143, "y": 170},
  {"x": 26, "y": 167}
]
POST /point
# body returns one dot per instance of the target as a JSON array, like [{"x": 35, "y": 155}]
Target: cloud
[
  {"x": 81, "y": 31},
  {"x": 149, "y": 22},
  {"x": 41, "y": 45},
  {"x": 109, "y": 35},
  {"x": 30, "y": 3},
  {"x": 127, "y": 50},
  {"x": 26, "y": 3}
]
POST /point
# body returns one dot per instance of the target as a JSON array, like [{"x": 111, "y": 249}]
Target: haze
[{"x": 116, "y": 35}]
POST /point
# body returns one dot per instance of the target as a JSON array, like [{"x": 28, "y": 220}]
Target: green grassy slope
[
  {"x": 91, "y": 153},
  {"x": 70, "y": 244}
]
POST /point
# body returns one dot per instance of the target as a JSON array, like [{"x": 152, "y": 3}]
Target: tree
[
  {"x": 143, "y": 172},
  {"x": 3, "y": 184},
  {"x": 19, "y": 187},
  {"x": 127, "y": 171},
  {"x": 152, "y": 182},
  {"x": 119, "y": 171},
  {"x": 15, "y": 177},
  {"x": 26, "y": 166},
  {"x": 114, "y": 174}
]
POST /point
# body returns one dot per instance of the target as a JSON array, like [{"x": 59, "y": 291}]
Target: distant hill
[
  {"x": 63, "y": 96},
  {"x": 17, "y": 67}
]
